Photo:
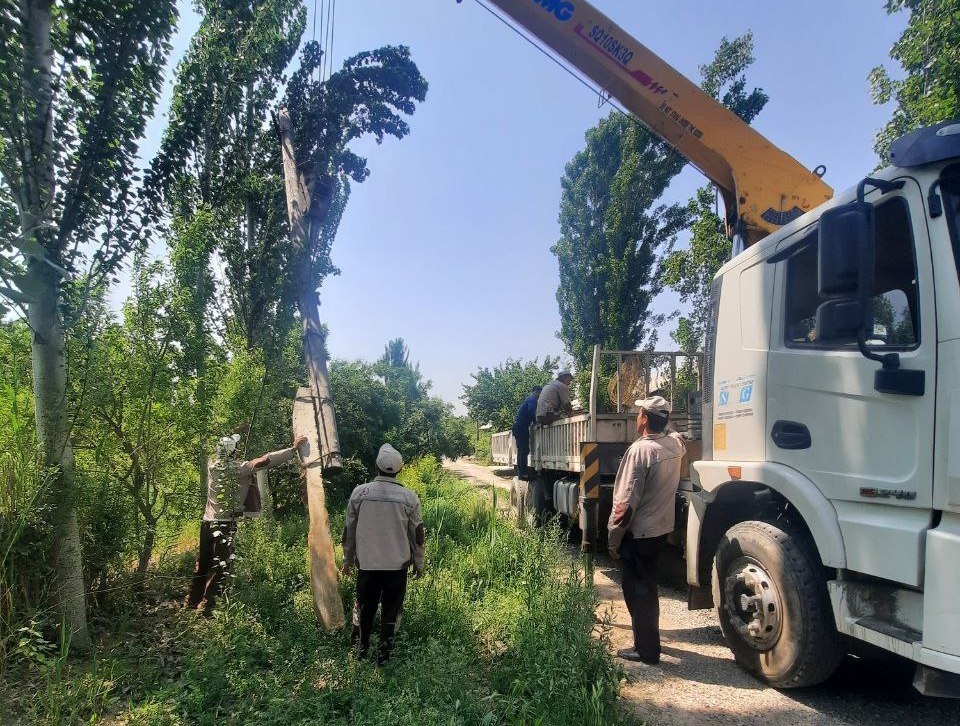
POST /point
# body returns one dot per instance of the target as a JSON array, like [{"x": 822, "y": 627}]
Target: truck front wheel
[{"x": 773, "y": 606}]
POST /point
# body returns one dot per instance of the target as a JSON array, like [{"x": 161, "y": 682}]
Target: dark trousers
[
  {"x": 213, "y": 561},
  {"x": 523, "y": 451},
  {"x": 384, "y": 588},
  {"x": 638, "y": 563}
]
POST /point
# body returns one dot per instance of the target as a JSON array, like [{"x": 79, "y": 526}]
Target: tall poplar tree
[
  {"x": 614, "y": 234},
  {"x": 78, "y": 81},
  {"x": 690, "y": 271},
  {"x": 928, "y": 52}
]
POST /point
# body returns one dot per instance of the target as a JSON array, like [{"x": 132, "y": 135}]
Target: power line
[
  {"x": 333, "y": 28},
  {"x": 327, "y": 42},
  {"x": 314, "y": 34},
  {"x": 604, "y": 98}
]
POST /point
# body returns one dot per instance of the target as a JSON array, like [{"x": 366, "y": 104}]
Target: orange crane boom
[{"x": 762, "y": 186}]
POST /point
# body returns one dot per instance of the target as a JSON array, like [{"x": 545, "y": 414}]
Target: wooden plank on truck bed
[{"x": 323, "y": 568}]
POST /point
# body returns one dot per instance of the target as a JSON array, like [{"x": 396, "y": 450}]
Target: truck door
[{"x": 870, "y": 453}]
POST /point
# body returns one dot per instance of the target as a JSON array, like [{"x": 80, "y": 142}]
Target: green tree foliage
[
  {"x": 134, "y": 450},
  {"x": 77, "y": 83},
  {"x": 613, "y": 233},
  {"x": 217, "y": 174},
  {"x": 496, "y": 394},
  {"x": 218, "y": 180},
  {"x": 725, "y": 78},
  {"x": 690, "y": 271},
  {"x": 390, "y": 401},
  {"x": 928, "y": 52}
]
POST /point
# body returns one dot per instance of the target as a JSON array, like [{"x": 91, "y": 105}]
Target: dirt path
[
  {"x": 698, "y": 682},
  {"x": 477, "y": 474}
]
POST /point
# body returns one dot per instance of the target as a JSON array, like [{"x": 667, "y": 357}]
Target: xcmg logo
[{"x": 562, "y": 9}]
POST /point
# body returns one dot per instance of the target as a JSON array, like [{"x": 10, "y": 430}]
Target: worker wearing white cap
[
  {"x": 229, "y": 489},
  {"x": 644, "y": 509},
  {"x": 383, "y": 535}
]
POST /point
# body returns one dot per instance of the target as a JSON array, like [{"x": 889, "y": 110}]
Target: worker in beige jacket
[
  {"x": 644, "y": 510},
  {"x": 230, "y": 492},
  {"x": 383, "y": 536}
]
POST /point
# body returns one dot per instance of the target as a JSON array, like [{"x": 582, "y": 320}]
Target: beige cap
[
  {"x": 389, "y": 459},
  {"x": 657, "y": 405},
  {"x": 561, "y": 374}
]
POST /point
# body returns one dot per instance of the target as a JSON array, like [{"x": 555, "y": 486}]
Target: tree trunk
[
  {"x": 146, "y": 549},
  {"x": 49, "y": 359},
  {"x": 305, "y": 217},
  {"x": 324, "y": 447},
  {"x": 49, "y": 390}
]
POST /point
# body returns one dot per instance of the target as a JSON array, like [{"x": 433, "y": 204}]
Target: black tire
[
  {"x": 799, "y": 645},
  {"x": 542, "y": 503}
]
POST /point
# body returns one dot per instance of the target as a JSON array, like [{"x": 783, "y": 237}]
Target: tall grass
[
  {"x": 23, "y": 529},
  {"x": 498, "y": 632}
]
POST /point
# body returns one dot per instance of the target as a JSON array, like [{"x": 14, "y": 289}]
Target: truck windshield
[{"x": 950, "y": 185}]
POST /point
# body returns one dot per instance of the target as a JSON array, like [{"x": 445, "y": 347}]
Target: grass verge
[{"x": 498, "y": 632}]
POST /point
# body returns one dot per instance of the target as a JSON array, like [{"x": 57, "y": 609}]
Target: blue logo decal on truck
[{"x": 561, "y": 9}]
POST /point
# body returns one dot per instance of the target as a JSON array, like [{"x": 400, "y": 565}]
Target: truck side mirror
[
  {"x": 845, "y": 257},
  {"x": 845, "y": 272}
]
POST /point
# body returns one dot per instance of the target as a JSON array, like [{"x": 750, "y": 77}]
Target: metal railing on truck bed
[
  {"x": 611, "y": 418},
  {"x": 503, "y": 448}
]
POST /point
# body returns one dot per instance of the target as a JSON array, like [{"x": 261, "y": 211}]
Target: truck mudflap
[{"x": 935, "y": 682}]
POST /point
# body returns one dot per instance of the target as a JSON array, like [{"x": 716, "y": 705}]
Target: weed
[{"x": 498, "y": 632}]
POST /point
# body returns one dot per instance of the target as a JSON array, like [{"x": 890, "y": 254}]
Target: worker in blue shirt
[{"x": 526, "y": 415}]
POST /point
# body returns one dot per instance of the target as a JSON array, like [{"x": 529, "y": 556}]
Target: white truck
[{"x": 826, "y": 501}]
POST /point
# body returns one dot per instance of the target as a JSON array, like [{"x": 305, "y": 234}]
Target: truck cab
[{"x": 827, "y": 499}]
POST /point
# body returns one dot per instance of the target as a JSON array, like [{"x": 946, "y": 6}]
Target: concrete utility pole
[{"x": 313, "y": 409}]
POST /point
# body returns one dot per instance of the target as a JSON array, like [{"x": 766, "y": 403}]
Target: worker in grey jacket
[
  {"x": 644, "y": 510},
  {"x": 383, "y": 535},
  {"x": 554, "y": 400}
]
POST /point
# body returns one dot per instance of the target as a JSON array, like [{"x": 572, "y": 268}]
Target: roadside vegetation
[{"x": 497, "y": 632}]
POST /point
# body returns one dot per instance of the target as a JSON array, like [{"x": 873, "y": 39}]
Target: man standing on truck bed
[
  {"x": 526, "y": 415},
  {"x": 554, "y": 400},
  {"x": 644, "y": 509}
]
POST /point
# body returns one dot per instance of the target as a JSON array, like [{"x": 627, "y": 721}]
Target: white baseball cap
[
  {"x": 657, "y": 405},
  {"x": 389, "y": 459},
  {"x": 228, "y": 444}
]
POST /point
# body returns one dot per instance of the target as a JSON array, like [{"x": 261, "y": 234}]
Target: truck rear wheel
[{"x": 773, "y": 606}]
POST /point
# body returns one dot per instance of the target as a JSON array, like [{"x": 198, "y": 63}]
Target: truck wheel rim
[{"x": 753, "y": 603}]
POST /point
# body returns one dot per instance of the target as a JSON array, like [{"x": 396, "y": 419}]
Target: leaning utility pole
[{"x": 313, "y": 409}]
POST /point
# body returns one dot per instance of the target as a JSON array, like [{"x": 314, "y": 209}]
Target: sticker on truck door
[
  {"x": 735, "y": 398},
  {"x": 720, "y": 437}
]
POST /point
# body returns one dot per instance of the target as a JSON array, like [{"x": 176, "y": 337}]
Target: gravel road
[{"x": 698, "y": 682}]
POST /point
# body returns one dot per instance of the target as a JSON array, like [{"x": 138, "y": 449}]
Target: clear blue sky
[{"x": 447, "y": 244}]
